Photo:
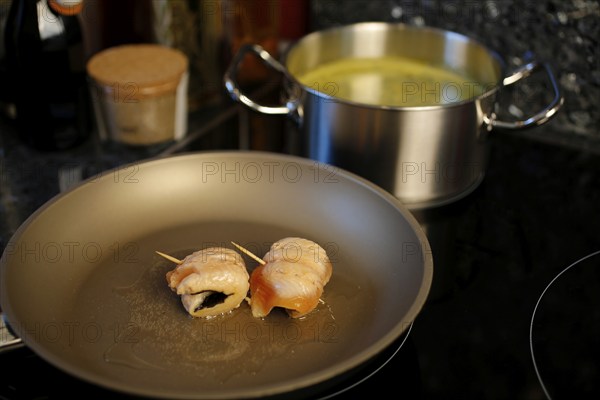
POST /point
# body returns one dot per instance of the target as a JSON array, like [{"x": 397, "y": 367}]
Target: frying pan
[{"x": 82, "y": 286}]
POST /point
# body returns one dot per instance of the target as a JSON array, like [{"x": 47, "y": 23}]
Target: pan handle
[
  {"x": 8, "y": 340},
  {"x": 546, "y": 113},
  {"x": 290, "y": 105}
]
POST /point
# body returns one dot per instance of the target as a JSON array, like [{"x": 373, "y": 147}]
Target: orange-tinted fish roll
[{"x": 294, "y": 277}]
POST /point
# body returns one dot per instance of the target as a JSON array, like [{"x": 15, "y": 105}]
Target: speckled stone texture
[
  {"x": 563, "y": 33},
  {"x": 495, "y": 251}
]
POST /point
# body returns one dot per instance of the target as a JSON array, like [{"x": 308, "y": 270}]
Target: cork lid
[{"x": 138, "y": 71}]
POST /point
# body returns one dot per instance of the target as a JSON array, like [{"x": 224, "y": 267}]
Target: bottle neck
[{"x": 66, "y": 7}]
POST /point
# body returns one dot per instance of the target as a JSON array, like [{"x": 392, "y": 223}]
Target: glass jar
[{"x": 139, "y": 93}]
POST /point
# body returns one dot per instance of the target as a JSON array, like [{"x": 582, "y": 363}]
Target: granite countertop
[
  {"x": 561, "y": 33},
  {"x": 535, "y": 213},
  {"x": 514, "y": 309}
]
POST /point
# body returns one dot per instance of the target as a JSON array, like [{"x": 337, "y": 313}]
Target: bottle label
[{"x": 66, "y": 7}]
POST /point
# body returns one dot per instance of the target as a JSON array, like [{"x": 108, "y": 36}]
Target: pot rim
[{"x": 400, "y": 26}]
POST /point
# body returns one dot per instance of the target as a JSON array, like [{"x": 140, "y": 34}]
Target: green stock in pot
[{"x": 391, "y": 81}]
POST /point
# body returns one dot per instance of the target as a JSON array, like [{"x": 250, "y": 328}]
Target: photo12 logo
[
  {"x": 290, "y": 332},
  {"x": 73, "y": 333},
  {"x": 292, "y": 252},
  {"x": 422, "y": 172},
  {"x": 70, "y": 252},
  {"x": 266, "y": 171},
  {"x": 415, "y": 251},
  {"x": 435, "y": 92},
  {"x": 76, "y": 332}
]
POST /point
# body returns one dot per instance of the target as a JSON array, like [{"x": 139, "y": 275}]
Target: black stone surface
[
  {"x": 564, "y": 34},
  {"x": 495, "y": 251}
]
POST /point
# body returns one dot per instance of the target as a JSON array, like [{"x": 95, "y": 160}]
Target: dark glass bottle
[{"x": 45, "y": 55}]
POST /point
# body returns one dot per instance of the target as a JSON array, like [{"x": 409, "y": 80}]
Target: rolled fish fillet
[
  {"x": 210, "y": 282},
  {"x": 294, "y": 276}
]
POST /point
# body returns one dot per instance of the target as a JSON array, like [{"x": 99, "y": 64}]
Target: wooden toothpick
[
  {"x": 170, "y": 258},
  {"x": 249, "y": 253}
]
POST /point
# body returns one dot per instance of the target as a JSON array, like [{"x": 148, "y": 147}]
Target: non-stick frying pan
[{"x": 84, "y": 289}]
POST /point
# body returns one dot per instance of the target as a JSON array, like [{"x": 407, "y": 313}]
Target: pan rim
[{"x": 290, "y": 385}]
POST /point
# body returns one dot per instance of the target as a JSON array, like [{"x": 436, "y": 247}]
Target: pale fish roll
[
  {"x": 210, "y": 282},
  {"x": 294, "y": 277}
]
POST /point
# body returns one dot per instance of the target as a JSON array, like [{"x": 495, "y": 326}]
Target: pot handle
[
  {"x": 231, "y": 84},
  {"x": 8, "y": 340},
  {"x": 546, "y": 113}
]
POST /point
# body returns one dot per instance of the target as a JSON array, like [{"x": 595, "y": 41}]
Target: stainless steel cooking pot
[
  {"x": 81, "y": 285},
  {"x": 424, "y": 155}
]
